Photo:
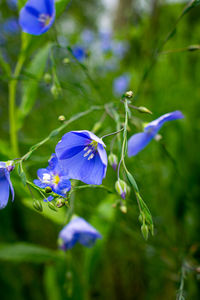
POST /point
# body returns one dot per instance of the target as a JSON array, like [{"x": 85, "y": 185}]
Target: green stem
[{"x": 12, "y": 87}]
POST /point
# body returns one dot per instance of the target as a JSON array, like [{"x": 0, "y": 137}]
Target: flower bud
[
  {"x": 61, "y": 118},
  {"x": 96, "y": 126},
  {"x": 48, "y": 189},
  {"x": 60, "y": 202},
  {"x": 129, "y": 94},
  {"x": 52, "y": 206},
  {"x": 113, "y": 161},
  {"x": 55, "y": 90},
  {"x": 47, "y": 78},
  {"x": 123, "y": 209},
  {"x": 145, "y": 231},
  {"x": 121, "y": 188},
  {"x": 143, "y": 109},
  {"x": 38, "y": 205}
]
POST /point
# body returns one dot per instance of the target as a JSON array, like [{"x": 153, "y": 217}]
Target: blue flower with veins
[
  {"x": 140, "y": 140},
  {"x": 37, "y": 16},
  {"x": 5, "y": 183},
  {"x": 83, "y": 156},
  {"x": 77, "y": 230},
  {"x": 55, "y": 177}
]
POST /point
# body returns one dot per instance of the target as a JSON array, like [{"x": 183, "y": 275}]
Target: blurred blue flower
[
  {"x": 83, "y": 156},
  {"x": 79, "y": 53},
  {"x": 37, "y": 16},
  {"x": 5, "y": 183},
  {"x": 87, "y": 36},
  {"x": 78, "y": 230},
  {"x": 11, "y": 26},
  {"x": 121, "y": 84},
  {"x": 53, "y": 176},
  {"x": 140, "y": 140},
  {"x": 105, "y": 41},
  {"x": 119, "y": 48}
]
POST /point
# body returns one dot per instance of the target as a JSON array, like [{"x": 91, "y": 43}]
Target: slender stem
[
  {"x": 112, "y": 133},
  {"x": 12, "y": 105}
]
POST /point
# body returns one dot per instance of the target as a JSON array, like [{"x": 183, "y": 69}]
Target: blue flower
[
  {"x": 11, "y": 26},
  {"x": 79, "y": 53},
  {"x": 78, "y": 230},
  {"x": 121, "y": 84},
  {"x": 54, "y": 177},
  {"x": 119, "y": 48},
  {"x": 87, "y": 36},
  {"x": 5, "y": 184},
  {"x": 140, "y": 140},
  {"x": 37, "y": 16},
  {"x": 106, "y": 41},
  {"x": 83, "y": 156}
]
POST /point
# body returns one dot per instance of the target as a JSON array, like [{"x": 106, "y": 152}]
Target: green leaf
[
  {"x": 191, "y": 5},
  {"x": 24, "y": 252},
  {"x": 30, "y": 87}
]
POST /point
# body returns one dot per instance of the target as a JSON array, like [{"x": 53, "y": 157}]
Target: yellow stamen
[{"x": 56, "y": 179}]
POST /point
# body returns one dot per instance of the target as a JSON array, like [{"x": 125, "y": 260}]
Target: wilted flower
[
  {"x": 79, "y": 53},
  {"x": 78, "y": 230},
  {"x": 140, "y": 140},
  {"x": 5, "y": 183},
  {"x": 121, "y": 84},
  {"x": 37, "y": 16},
  {"x": 83, "y": 156},
  {"x": 54, "y": 177}
]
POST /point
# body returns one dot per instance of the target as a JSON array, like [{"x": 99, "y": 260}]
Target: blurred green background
[{"x": 122, "y": 265}]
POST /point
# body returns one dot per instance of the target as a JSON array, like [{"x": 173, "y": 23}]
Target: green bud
[
  {"x": 145, "y": 231},
  {"x": 38, "y": 205},
  {"x": 123, "y": 208},
  {"x": 60, "y": 202},
  {"x": 66, "y": 60},
  {"x": 143, "y": 109},
  {"x": 55, "y": 90},
  {"x": 61, "y": 118},
  {"x": 52, "y": 206},
  {"x": 47, "y": 78},
  {"x": 48, "y": 189},
  {"x": 113, "y": 161},
  {"x": 121, "y": 188},
  {"x": 129, "y": 94}
]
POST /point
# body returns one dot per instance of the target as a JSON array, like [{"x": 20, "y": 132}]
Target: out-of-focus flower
[
  {"x": 37, "y": 16},
  {"x": 11, "y": 26},
  {"x": 87, "y": 36},
  {"x": 140, "y": 140},
  {"x": 119, "y": 48},
  {"x": 54, "y": 177},
  {"x": 79, "y": 53},
  {"x": 121, "y": 84},
  {"x": 83, "y": 156},
  {"x": 5, "y": 183},
  {"x": 105, "y": 41},
  {"x": 78, "y": 230}
]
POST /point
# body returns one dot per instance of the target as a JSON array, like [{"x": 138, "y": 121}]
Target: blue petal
[
  {"x": 49, "y": 199},
  {"x": 41, "y": 172},
  {"x": 39, "y": 183},
  {"x": 138, "y": 142},
  {"x": 7, "y": 174},
  {"x": 158, "y": 123},
  {"x": 4, "y": 190}
]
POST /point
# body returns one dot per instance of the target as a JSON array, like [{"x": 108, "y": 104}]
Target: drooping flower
[
  {"x": 140, "y": 140},
  {"x": 79, "y": 53},
  {"x": 54, "y": 177},
  {"x": 83, "y": 156},
  {"x": 78, "y": 230},
  {"x": 37, "y": 16},
  {"x": 121, "y": 84},
  {"x": 5, "y": 183}
]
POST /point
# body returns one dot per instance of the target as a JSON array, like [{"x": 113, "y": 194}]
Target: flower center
[
  {"x": 90, "y": 150},
  {"x": 56, "y": 179},
  {"x": 45, "y": 19}
]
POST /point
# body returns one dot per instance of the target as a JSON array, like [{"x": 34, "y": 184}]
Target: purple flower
[
  {"x": 54, "y": 177},
  {"x": 37, "y": 16},
  {"x": 140, "y": 140},
  {"x": 121, "y": 84},
  {"x": 78, "y": 230},
  {"x": 83, "y": 156},
  {"x": 79, "y": 53},
  {"x": 5, "y": 184}
]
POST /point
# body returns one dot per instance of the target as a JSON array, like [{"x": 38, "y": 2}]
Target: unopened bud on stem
[
  {"x": 121, "y": 188},
  {"x": 113, "y": 161}
]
